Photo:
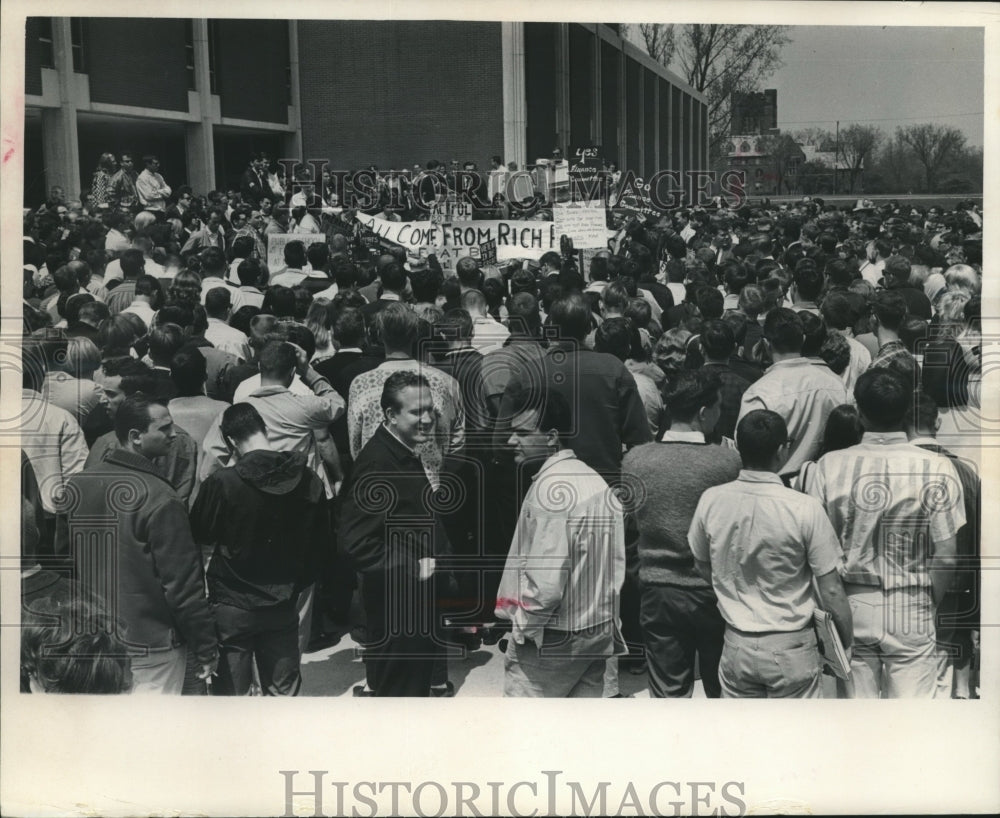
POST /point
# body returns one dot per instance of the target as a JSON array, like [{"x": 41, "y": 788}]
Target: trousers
[
  {"x": 267, "y": 637},
  {"x": 770, "y": 666}
]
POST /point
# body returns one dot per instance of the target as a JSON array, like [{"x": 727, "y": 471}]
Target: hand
[
  {"x": 208, "y": 670},
  {"x": 426, "y": 568},
  {"x": 301, "y": 360}
]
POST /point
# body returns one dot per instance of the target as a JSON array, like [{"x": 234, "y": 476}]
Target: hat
[{"x": 864, "y": 204}]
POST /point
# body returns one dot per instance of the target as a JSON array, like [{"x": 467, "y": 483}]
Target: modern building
[{"x": 204, "y": 94}]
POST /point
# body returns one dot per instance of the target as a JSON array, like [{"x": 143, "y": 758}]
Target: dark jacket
[
  {"x": 179, "y": 466},
  {"x": 267, "y": 518},
  {"x": 129, "y": 534},
  {"x": 388, "y": 519}
]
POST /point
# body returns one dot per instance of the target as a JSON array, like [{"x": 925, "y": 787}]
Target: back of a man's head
[
  {"x": 468, "y": 272},
  {"x": 393, "y": 277},
  {"x": 277, "y": 361},
  {"x": 398, "y": 327},
  {"x": 718, "y": 341},
  {"x": 808, "y": 283},
  {"x": 690, "y": 392},
  {"x": 132, "y": 263},
  {"x": 240, "y": 422},
  {"x": 474, "y": 302},
  {"x": 164, "y": 342},
  {"x": 522, "y": 314},
  {"x": 759, "y": 436},
  {"x": 188, "y": 370},
  {"x": 572, "y": 316},
  {"x": 883, "y": 397},
  {"x": 897, "y": 270},
  {"x": 318, "y": 254},
  {"x": 217, "y": 302},
  {"x": 889, "y": 308},
  {"x": 213, "y": 262},
  {"x": 783, "y": 330},
  {"x": 295, "y": 255}
]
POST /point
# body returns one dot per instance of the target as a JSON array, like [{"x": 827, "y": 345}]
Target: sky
[
  {"x": 885, "y": 76},
  {"x": 881, "y": 76}
]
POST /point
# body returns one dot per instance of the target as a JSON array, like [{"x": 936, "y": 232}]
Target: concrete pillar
[
  {"x": 514, "y": 102},
  {"x": 60, "y": 140},
  {"x": 199, "y": 136},
  {"x": 293, "y": 143}
]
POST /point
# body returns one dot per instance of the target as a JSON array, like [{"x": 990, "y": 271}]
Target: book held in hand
[{"x": 830, "y": 646}]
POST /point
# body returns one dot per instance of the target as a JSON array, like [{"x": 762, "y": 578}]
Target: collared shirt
[
  {"x": 365, "y": 415},
  {"x": 860, "y": 360},
  {"x": 247, "y": 296},
  {"x": 895, "y": 356},
  {"x": 804, "y": 393},
  {"x": 250, "y": 385},
  {"x": 685, "y": 436},
  {"x": 227, "y": 338},
  {"x": 290, "y": 421},
  {"x": 121, "y": 297},
  {"x": 488, "y": 334},
  {"x": 765, "y": 543},
  {"x": 143, "y": 310},
  {"x": 566, "y": 564},
  {"x": 288, "y": 278},
  {"x": 891, "y": 501},
  {"x": 152, "y": 190},
  {"x": 53, "y": 442}
]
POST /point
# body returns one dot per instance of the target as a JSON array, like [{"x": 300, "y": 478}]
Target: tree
[
  {"x": 659, "y": 40},
  {"x": 784, "y": 157},
  {"x": 932, "y": 145},
  {"x": 813, "y": 136},
  {"x": 718, "y": 61},
  {"x": 858, "y": 143}
]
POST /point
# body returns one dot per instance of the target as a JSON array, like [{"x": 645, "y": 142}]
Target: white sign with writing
[{"x": 585, "y": 225}]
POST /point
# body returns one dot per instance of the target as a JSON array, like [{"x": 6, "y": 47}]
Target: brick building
[{"x": 204, "y": 94}]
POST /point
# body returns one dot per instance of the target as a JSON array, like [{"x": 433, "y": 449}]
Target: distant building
[
  {"x": 755, "y": 112},
  {"x": 205, "y": 94}
]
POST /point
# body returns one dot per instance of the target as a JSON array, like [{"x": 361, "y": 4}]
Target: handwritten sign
[
  {"x": 488, "y": 252},
  {"x": 513, "y": 239},
  {"x": 585, "y": 225},
  {"x": 276, "y": 247}
]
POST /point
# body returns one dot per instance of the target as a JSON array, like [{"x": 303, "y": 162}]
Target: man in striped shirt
[{"x": 896, "y": 508}]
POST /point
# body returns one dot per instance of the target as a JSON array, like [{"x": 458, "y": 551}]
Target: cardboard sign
[
  {"x": 488, "y": 252},
  {"x": 585, "y": 223},
  {"x": 276, "y": 247}
]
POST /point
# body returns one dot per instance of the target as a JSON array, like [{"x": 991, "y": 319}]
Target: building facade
[{"x": 204, "y": 94}]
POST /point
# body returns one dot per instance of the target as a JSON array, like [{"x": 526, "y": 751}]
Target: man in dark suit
[{"x": 253, "y": 185}]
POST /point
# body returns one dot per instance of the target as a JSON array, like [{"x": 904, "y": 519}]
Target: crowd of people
[{"x": 668, "y": 457}]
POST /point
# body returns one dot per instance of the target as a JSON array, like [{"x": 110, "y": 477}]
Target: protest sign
[
  {"x": 585, "y": 223},
  {"x": 276, "y": 247},
  {"x": 488, "y": 252},
  {"x": 514, "y": 239}
]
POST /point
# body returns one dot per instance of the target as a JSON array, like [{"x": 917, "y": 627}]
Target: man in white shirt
[
  {"x": 566, "y": 564},
  {"x": 229, "y": 339},
  {"x": 146, "y": 288},
  {"x": 113, "y": 272},
  {"x": 150, "y": 186},
  {"x": 488, "y": 334},
  {"x": 295, "y": 264}
]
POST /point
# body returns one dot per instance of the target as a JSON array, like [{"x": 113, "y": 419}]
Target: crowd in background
[{"x": 708, "y": 392}]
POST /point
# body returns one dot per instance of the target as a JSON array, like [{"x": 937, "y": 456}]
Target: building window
[
  {"x": 46, "y": 55},
  {"x": 213, "y": 56},
  {"x": 77, "y": 36},
  {"x": 189, "y": 55}
]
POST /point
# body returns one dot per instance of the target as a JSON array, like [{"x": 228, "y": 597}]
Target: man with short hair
[
  {"x": 295, "y": 261},
  {"x": 122, "y": 191},
  {"x": 152, "y": 190},
  {"x": 253, "y": 185},
  {"x": 761, "y": 546},
  {"x": 210, "y": 235},
  {"x": 146, "y": 289},
  {"x": 133, "y": 265},
  {"x": 222, "y": 336},
  {"x": 801, "y": 391},
  {"x": 897, "y": 279},
  {"x": 267, "y": 521},
  {"x": 192, "y": 410},
  {"x": 608, "y": 411},
  {"x": 566, "y": 565},
  {"x": 213, "y": 270},
  {"x": 154, "y": 579},
  {"x": 888, "y": 315},
  {"x": 393, "y": 535},
  {"x": 679, "y": 615},
  {"x": 807, "y": 284},
  {"x": 393, "y": 279},
  {"x": 898, "y": 509},
  {"x": 839, "y": 316},
  {"x": 488, "y": 334},
  {"x": 718, "y": 345},
  {"x": 249, "y": 274}
]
